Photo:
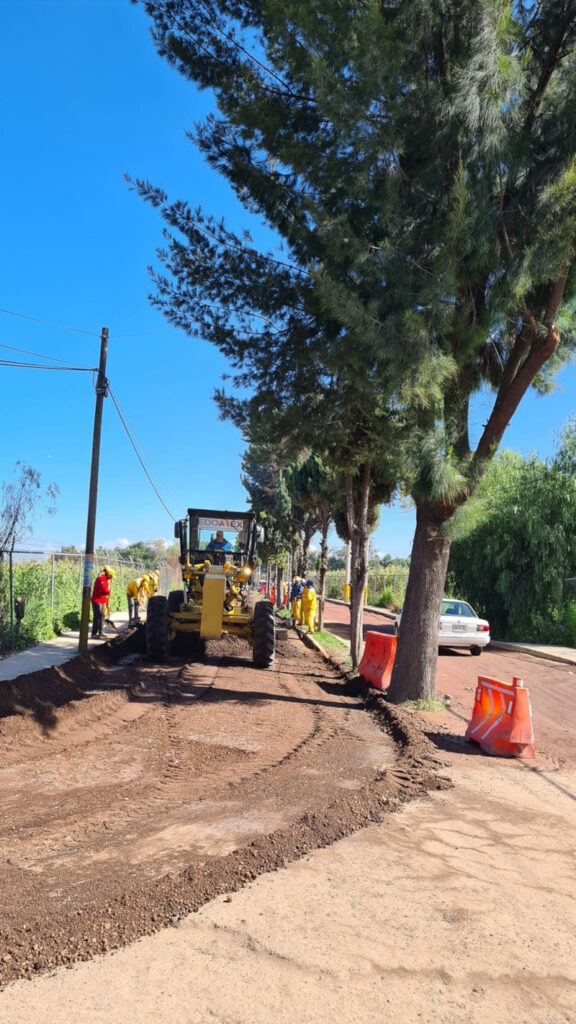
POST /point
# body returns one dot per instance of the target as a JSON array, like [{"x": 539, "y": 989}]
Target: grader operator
[{"x": 217, "y": 557}]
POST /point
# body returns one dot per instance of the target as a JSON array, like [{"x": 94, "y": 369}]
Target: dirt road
[
  {"x": 132, "y": 793},
  {"x": 252, "y": 812}
]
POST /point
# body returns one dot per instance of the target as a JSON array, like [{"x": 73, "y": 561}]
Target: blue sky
[{"x": 86, "y": 100}]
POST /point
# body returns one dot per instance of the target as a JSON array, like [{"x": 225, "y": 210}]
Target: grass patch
[
  {"x": 334, "y": 645},
  {"x": 432, "y": 704}
]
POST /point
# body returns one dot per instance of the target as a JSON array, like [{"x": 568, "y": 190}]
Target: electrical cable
[
  {"x": 148, "y": 477},
  {"x": 41, "y": 366},
  {"x": 40, "y": 355},
  {"x": 48, "y": 323},
  {"x": 143, "y": 450}
]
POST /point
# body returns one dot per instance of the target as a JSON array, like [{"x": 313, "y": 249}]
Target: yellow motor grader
[{"x": 217, "y": 551}]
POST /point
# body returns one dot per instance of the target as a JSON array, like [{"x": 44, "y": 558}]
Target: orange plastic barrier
[
  {"x": 272, "y": 595},
  {"x": 502, "y": 719},
  {"x": 378, "y": 659}
]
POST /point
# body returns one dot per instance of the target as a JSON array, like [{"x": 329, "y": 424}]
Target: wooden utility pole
[{"x": 101, "y": 392}]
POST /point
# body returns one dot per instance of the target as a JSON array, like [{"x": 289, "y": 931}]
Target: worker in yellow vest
[
  {"x": 136, "y": 592},
  {"x": 309, "y": 606},
  {"x": 153, "y": 577}
]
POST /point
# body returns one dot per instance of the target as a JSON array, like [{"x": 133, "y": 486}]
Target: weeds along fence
[
  {"x": 386, "y": 587},
  {"x": 51, "y": 586}
]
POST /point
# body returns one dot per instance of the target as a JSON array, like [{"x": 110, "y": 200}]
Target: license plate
[{"x": 458, "y": 628}]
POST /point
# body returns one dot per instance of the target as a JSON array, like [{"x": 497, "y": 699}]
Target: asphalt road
[{"x": 551, "y": 686}]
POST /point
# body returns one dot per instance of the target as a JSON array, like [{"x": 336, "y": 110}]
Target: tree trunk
[
  {"x": 358, "y": 580},
  {"x": 323, "y": 571},
  {"x": 414, "y": 672},
  {"x": 357, "y": 516},
  {"x": 306, "y": 535}
]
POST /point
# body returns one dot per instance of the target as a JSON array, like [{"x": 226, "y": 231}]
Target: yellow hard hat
[{"x": 109, "y": 572}]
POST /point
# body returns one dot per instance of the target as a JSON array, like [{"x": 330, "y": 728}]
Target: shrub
[
  {"x": 386, "y": 599},
  {"x": 71, "y": 620}
]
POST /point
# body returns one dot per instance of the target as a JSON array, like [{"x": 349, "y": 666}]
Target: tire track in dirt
[{"x": 233, "y": 771}]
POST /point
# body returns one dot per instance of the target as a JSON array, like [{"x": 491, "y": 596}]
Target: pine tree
[
  {"x": 417, "y": 160},
  {"x": 314, "y": 488}
]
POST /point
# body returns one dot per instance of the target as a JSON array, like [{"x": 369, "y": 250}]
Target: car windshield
[{"x": 451, "y": 607}]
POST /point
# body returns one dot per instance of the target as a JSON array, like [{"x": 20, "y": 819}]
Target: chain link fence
[
  {"x": 41, "y": 592},
  {"x": 386, "y": 587}
]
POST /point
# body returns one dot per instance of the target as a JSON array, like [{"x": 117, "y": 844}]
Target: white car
[{"x": 459, "y": 626}]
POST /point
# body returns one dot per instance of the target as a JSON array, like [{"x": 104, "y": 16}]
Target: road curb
[
  {"x": 347, "y": 673},
  {"x": 535, "y": 652}
]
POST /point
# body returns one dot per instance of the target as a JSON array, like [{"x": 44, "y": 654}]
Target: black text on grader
[{"x": 216, "y": 599}]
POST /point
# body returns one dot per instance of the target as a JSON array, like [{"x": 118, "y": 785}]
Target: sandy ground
[{"x": 460, "y": 907}]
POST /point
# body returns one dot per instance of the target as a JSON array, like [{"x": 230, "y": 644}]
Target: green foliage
[
  {"x": 570, "y": 623},
  {"x": 53, "y": 597},
  {"x": 263, "y": 477},
  {"x": 335, "y": 647},
  {"x": 515, "y": 546},
  {"x": 386, "y": 588},
  {"x": 142, "y": 552},
  {"x": 417, "y": 163},
  {"x": 386, "y": 599}
]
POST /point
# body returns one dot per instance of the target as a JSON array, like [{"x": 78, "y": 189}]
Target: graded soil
[{"x": 132, "y": 793}]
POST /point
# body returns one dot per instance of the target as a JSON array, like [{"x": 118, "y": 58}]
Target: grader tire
[
  {"x": 175, "y": 599},
  {"x": 157, "y": 645},
  {"x": 264, "y": 635}
]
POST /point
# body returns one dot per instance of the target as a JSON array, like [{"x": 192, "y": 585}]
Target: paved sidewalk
[{"x": 54, "y": 652}]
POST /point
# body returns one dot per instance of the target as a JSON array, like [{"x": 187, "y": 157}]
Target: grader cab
[{"x": 217, "y": 557}]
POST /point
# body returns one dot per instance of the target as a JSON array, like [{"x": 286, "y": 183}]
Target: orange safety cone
[
  {"x": 378, "y": 659},
  {"x": 502, "y": 719}
]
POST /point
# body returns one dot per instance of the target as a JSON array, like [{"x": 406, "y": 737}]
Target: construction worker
[
  {"x": 296, "y": 599},
  {"x": 136, "y": 592},
  {"x": 219, "y": 543},
  {"x": 100, "y": 598},
  {"x": 309, "y": 606},
  {"x": 153, "y": 577}
]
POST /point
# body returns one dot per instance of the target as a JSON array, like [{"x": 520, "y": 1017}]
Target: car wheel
[{"x": 477, "y": 651}]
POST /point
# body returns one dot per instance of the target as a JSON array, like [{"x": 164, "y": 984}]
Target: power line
[
  {"x": 40, "y": 355},
  {"x": 142, "y": 448},
  {"x": 41, "y": 366},
  {"x": 48, "y": 323},
  {"x": 148, "y": 477}
]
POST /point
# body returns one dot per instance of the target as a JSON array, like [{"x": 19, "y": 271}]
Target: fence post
[
  {"x": 11, "y": 601},
  {"x": 52, "y": 585}
]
